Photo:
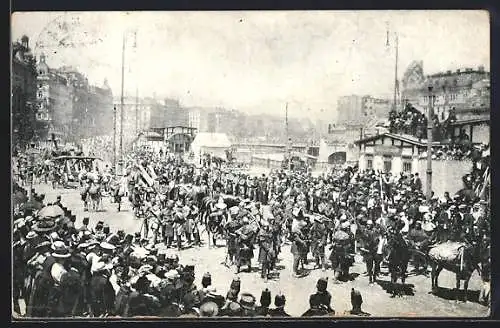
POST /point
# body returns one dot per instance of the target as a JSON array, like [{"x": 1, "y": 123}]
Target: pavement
[{"x": 417, "y": 301}]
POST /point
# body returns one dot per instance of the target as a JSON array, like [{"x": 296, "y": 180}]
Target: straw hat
[
  {"x": 247, "y": 301},
  {"x": 209, "y": 309},
  {"x": 31, "y": 235},
  {"x": 60, "y": 250}
]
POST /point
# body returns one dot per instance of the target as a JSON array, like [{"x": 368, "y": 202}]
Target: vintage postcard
[{"x": 263, "y": 164}]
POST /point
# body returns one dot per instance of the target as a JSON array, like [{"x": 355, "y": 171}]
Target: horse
[
  {"x": 215, "y": 226},
  {"x": 468, "y": 260},
  {"x": 398, "y": 259},
  {"x": 94, "y": 197}
]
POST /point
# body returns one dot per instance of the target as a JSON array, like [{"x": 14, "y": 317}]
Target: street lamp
[{"x": 430, "y": 116}]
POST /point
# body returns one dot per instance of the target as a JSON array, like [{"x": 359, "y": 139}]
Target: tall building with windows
[
  {"x": 23, "y": 101},
  {"x": 69, "y": 106},
  {"x": 465, "y": 90},
  {"x": 358, "y": 110}
]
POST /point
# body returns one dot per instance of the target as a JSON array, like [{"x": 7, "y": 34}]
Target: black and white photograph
[{"x": 250, "y": 164}]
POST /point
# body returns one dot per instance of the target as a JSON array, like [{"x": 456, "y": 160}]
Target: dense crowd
[
  {"x": 413, "y": 122},
  {"x": 62, "y": 270},
  {"x": 100, "y": 146}
]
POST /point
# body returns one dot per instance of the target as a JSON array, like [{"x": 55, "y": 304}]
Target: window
[
  {"x": 407, "y": 167},
  {"x": 387, "y": 165}
]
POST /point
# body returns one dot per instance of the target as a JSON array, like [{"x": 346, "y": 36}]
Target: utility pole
[
  {"x": 287, "y": 144},
  {"x": 396, "y": 76},
  {"x": 121, "y": 102},
  {"x": 114, "y": 139},
  {"x": 136, "y": 111},
  {"x": 430, "y": 115}
]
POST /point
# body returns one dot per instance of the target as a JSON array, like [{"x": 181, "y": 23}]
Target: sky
[{"x": 257, "y": 61}]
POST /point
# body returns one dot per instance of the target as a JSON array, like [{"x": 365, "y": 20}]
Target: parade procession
[{"x": 172, "y": 221}]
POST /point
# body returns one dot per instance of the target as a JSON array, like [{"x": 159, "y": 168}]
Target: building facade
[
  {"x": 465, "y": 90},
  {"x": 403, "y": 154},
  {"x": 355, "y": 109},
  {"x": 23, "y": 101},
  {"x": 69, "y": 106}
]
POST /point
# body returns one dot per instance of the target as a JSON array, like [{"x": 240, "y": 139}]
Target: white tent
[{"x": 214, "y": 144}]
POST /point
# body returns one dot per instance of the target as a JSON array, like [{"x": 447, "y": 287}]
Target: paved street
[{"x": 297, "y": 290}]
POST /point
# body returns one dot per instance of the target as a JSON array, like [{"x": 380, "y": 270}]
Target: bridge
[{"x": 264, "y": 148}]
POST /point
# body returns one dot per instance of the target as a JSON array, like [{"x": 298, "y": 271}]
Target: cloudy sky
[{"x": 257, "y": 61}]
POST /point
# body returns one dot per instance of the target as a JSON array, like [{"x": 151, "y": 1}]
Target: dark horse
[
  {"x": 398, "y": 258},
  {"x": 469, "y": 259}
]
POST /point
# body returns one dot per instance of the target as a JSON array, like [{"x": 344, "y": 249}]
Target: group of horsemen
[{"x": 346, "y": 212}]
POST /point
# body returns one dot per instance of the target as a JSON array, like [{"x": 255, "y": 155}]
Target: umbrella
[{"x": 52, "y": 211}]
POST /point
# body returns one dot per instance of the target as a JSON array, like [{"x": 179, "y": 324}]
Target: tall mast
[
  {"x": 287, "y": 145},
  {"x": 136, "y": 110},
  {"x": 396, "y": 76},
  {"x": 121, "y": 102}
]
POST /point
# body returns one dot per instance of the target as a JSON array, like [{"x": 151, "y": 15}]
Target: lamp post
[
  {"x": 430, "y": 116},
  {"x": 114, "y": 139}
]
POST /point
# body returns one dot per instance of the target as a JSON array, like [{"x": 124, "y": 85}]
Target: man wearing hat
[
  {"x": 266, "y": 250},
  {"x": 265, "y": 302},
  {"x": 316, "y": 308},
  {"x": 370, "y": 238},
  {"x": 247, "y": 302},
  {"x": 318, "y": 241},
  {"x": 39, "y": 303},
  {"x": 85, "y": 224},
  {"x": 209, "y": 309},
  {"x": 58, "y": 202},
  {"x": 168, "y": 224},
  {"x": 279, "y": 310},
  {"x": 179, "y": 220}
]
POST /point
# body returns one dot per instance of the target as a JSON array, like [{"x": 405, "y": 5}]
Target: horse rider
[
  {"x": 299, "y": 241},
  {"x": 370, "y": 238},
  {"x": 318, "y": 237},
  {"x": 266, "y": 250}
]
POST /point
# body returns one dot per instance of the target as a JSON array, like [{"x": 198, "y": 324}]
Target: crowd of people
[
  {"x": 413, "y": 122},
  {"x": 100, "y": 146},
  {"x": 62, "y": 270}
]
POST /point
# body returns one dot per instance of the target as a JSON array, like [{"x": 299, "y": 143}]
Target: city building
[
  {"x": 69, "y": 106},
  {"x": 179, "y": 138},
  {"x": 54, "y": 100},
  {"x": 23, "y": 102},
  {"x": 175, "y": 114},
  {"x": 398, "y": 154},
  {"x": 465, "y": 90},
  {"x": 355, "y": 109}
]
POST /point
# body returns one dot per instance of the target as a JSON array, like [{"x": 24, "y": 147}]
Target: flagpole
[{"x": 396, "y": 75}]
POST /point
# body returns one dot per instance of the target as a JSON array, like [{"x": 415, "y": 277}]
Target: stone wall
[{"x": 446, "y": 175}]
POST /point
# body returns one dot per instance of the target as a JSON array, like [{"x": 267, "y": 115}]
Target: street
[{"x": 376, "y": 300}]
